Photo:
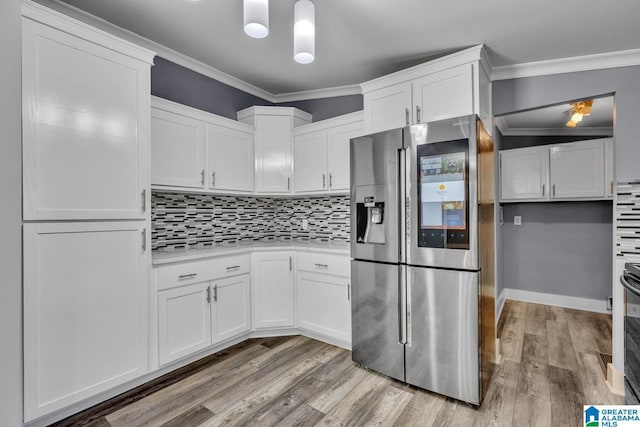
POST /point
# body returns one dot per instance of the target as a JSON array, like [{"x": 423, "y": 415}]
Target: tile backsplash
[{"x": 188, "y": 221}]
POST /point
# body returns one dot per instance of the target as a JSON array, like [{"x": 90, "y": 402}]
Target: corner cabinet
[
  {"x": 570, "y": 171},
  {"x": 273, "y": 145},
  {"x": 196, "y": 150},
  {"x": 321, "y": 154},
  {"x": 272, "y": 290},
  {"x": 451, "y": 86}
]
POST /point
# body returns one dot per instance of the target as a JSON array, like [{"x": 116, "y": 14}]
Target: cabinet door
[
  {"x": 231, "y": 308},
  {"x": 608, "y": 168},
  {"x": 324, "y": 305},
  {"x": 230, "y": 159},
  {"x": 184, "y": 321},
  {"x": 577, "y": 170},
  {"x": 85, "y": 128},
  {"x": 273, "y": 154},
  {"x": 310, "y": 162},
  {"x": 85, "y": 311},
  {"x": 444, "y": 95},
  {"x": 338, "y": 149},
  {"x": 273, "y": 290},
  {"x": 177, "y": 150},
  {"x": 524, "y": 174},
  {"x": 387, "y": 108}
]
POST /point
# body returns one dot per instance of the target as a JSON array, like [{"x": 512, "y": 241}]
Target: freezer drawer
[
  {"x": 375, "y": 318},
  {"x": 442, "y": 353}
]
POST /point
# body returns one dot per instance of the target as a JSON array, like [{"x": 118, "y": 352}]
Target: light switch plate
[{"x": 517, "y": 220}]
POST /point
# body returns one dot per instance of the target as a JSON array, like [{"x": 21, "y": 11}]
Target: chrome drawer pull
[
  {"x": 233, "y": 267},
  {"x": 187, "y": 276},
  {"x": 322, "y": 265}
]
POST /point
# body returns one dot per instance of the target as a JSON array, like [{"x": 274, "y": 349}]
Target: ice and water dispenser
[{"x": 370, "y": 221}]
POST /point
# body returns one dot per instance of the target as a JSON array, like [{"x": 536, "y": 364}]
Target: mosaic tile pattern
[
  {"x": 188, "y": 221},
  {"x": 628, "y": 219}
]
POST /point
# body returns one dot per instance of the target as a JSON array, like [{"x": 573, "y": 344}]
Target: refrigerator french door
[{"x": 415, "y": 270}]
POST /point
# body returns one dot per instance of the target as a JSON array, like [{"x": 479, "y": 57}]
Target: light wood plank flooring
[{"x": 550, "y": 367}]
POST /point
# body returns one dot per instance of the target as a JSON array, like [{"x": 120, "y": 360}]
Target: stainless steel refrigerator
[{"x": 422, "y": 210}]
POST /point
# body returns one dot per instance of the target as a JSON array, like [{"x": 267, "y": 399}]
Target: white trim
[
  {"x": 615, "y": 380},
  {"x": 500, "y": 305},
  {"x": 624, "y": 58},
  {"x": 329, "y": 92},
  {"x": 505, "y": 130},
  {"x": 472, "y": 54},
  {"x": 274, "y": 111},
  {"x": 577, "y": 303},
  {"x": 345, "y": 119},
  {"x": 65, "y": 23}
]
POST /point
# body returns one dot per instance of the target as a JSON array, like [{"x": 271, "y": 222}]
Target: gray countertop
[{"x": 159, "y": 258}]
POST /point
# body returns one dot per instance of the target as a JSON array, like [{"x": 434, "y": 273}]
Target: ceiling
[
  {"x": 357, "y": 40},
  {"x": 551, "y": 121}
]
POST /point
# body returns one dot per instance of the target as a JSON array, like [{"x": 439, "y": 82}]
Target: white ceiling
[
  {"x": 551, "y": 121},
  {"x": 357, "y": 40}
]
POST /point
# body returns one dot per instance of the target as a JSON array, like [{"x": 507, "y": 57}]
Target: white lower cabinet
[
  {"x": 324, "y": 306},
  {"x": 85, "y": 311},
  {"x": 273, "y": 290},
  {"x": 184, "y": 321},
  {"x": 231, "y": 307}
]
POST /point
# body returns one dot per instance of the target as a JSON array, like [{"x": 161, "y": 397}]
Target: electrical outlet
[
  {"x": 517, "y": 220},
  {"x": 305, "y": 224}
]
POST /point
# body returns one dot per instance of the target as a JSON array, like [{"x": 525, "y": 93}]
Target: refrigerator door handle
[
  {"x": 402, "y": 208},
  {"x": 408, "y": 307},
  {"x": 402, "y": 303}
]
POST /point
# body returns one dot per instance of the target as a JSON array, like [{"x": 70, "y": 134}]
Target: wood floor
[{"x": 550, "y": 367}]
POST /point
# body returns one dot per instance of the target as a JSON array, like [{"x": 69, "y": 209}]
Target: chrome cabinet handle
[
  {"x": 331, "y": 181},
  {"x": 322, "y": 265},
  {"x": 324, "y": 180},
  {"x": 187, "y": 276},
  {"x": 213, "y": 179},
  {"x": 288, "y": 183},
  {"x": 611, "y": 187},
  {"x": 233, "y": 267},
  {"x": 554, "y": 190},
  {"x": 406, "y": 116},
  {"x": 144, "y": 200},
  {"x": 418, "y": 111},
  {"x": 202, "y": 177},
  {"x": 215, "y": 293},
  {"x": 209, "y": 294},
  {"x": 348, "y": 291},
  {"x": 144, "y": 239},
  {"x": 543, "y": 190},
  {"x": 290, "y": 264}
]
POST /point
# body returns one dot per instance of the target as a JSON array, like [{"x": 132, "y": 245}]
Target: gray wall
[
  {"x": 561, "y": 248},
  {"x": 10, "y": 217},
  {"x": 179, "y": 84}
]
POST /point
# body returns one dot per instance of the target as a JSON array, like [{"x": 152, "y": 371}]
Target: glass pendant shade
[
  {"x": 304, "y": 31},
  {"x": 256, "y": 18}
]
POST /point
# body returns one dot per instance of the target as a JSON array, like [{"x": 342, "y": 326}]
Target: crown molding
[
  {"x": 318, "y": 93},
  {"x": 624, "y": 58},
  {"x": 505, "y": 130}
]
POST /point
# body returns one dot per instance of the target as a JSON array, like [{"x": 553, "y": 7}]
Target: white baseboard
[
  {"x": 500, "y": 305},
  {"x": 577, "y": 303}
]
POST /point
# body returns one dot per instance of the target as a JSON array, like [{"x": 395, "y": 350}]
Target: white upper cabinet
[
  {"x": 388, "y": 108},
  {"x": 195, "y": 150},
  {"x": 608, "y": 168},
  {"x": 570, "y": 171},
  {"x": 85, "y": 310},
  {"x": 524, "y": 174},
  {"x": 451, "y": 86},
  {"x": 230, "y": 159},
  {"x": 321, "y": 154},
  {"x": 273, "y": 145},
  {"x": 444, "y": 94},
  {"x": 339, "y": 154},
  {"x": 85, "y": 121},
  {"x": 177, "y": 150},
  {"x": 273, "y": 303},
  {"x": 310, "y": 162},
  {"x": 577, "y": 170}
]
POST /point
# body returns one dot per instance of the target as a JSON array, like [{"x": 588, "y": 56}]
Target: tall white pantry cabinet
[{"x": 85, "y": 210}]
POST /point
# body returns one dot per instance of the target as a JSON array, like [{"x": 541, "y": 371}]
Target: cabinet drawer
[
  {"x": 230, "y": 266},
  {"x": 186, "y": 273},
  {"x": 338, "y": 265}
]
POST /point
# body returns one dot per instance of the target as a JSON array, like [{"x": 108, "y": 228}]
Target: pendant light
[
  {"x": 304, "y": 32},
  {"x": 256, "y": 18}
]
